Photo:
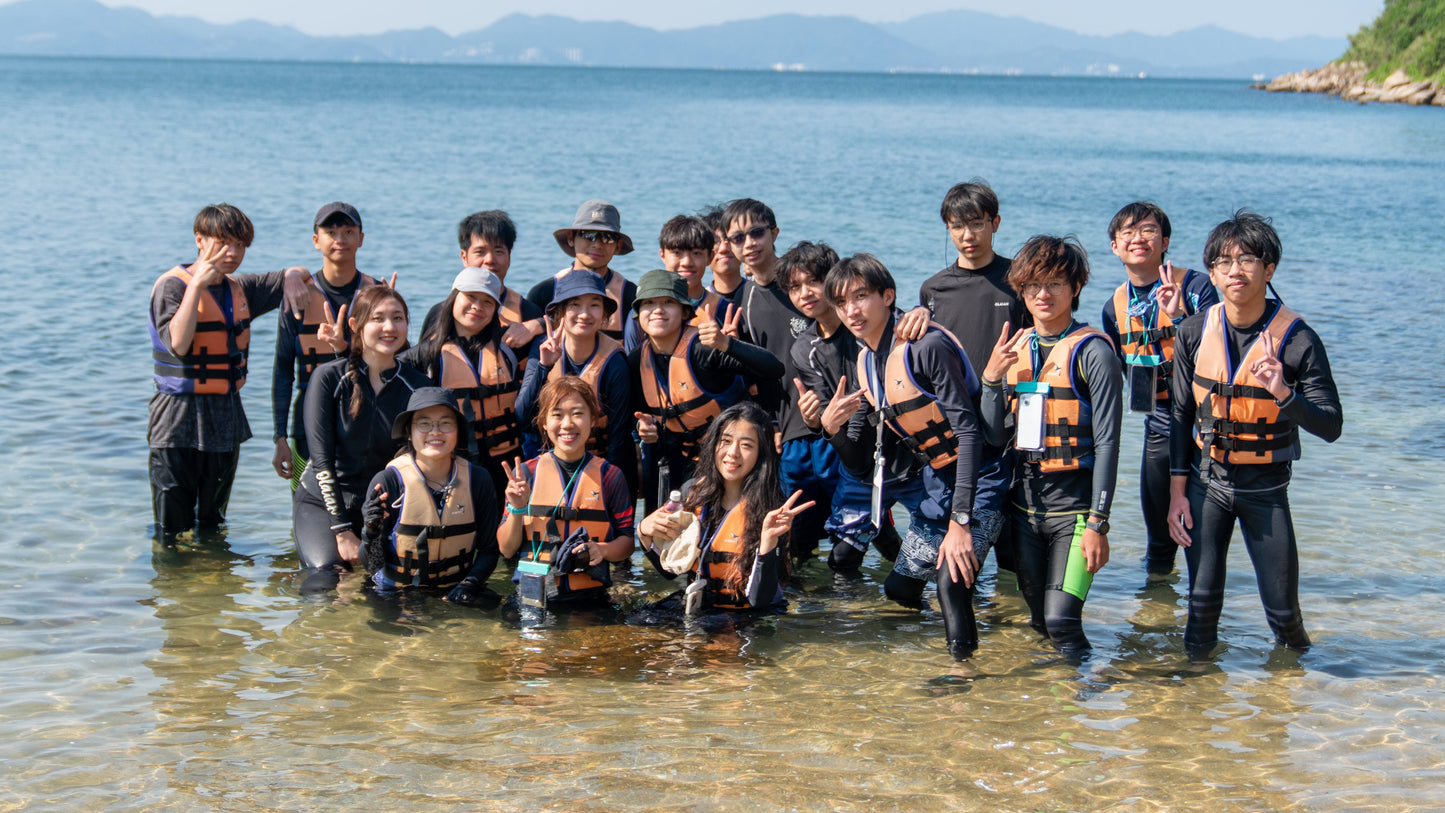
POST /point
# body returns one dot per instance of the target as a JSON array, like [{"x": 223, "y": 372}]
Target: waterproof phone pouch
[
  {"x": 532, "y": 578},
  {"x": 693, "y": 596},
  {"x": 1029, "y": 423},
  {"x": 1143, "y": 375}
]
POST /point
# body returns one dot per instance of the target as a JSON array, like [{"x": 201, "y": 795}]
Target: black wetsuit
[
  {"x": 1254, "y": 495},
  {"x": 1048, "y": 507}
]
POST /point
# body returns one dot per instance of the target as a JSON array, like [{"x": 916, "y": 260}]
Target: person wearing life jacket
[
  {"x": 465, "y": 353},
  {"x": 430, "y": 516},
  {"x": 1141, "y": 319},
  {"x": 564, "y": 491},
  {"x": 593, "y": 239},
  {"x": 351, "y": 405},
  {"x": 922, "y": 416},
  {"x": 736, "y": 496},
  {"x": 575, "y": 345},
  {"x": 1249, "y": 374},
  {"x": 317, "y": 335},
  {"x": 200, "y": 330},
  {"x": 682, "y": 377},
  {"x": 1053, "y": 392}
]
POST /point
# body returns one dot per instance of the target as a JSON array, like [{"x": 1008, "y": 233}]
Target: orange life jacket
[
  {"x": 1237, "y": 419},
  {"x": 430, "y": 546},
  {"x": 912, "y": 413},
  {"x": 216, "y": 361},
  {"x": 310, "y": 352},
  {"x": 1153, "y": 339},
  {"x": 607, "y": 347},
  {"x": 551, "y": 517},
  {"x": 487, "y": 395},
  {"x": 614, "y": 292},
  {"x": 682, "y": 406},
  {"x": 721, "y": 562},
  {"x": 700, "y": 313},
  {"x": 509, "y": 312},
  {"x": 1068, "y": 418}
]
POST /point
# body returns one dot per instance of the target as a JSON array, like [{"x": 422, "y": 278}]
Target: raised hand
[
  {"x": 1269, "y": 370},
  {"x": 392, "y": 282},
  {"x": 809, "y": 406},
  {"x": 841, "y": 407},
  {"x": 779, "y": 521},
  {"x": 1005, "y": 353},
  {"x": 1169, "y": 295},
  {"x": 550, "y": 350},
  {"x": 332, "y": 329},
  {"x": 374, "y": 512},
  {"x": 732, "y": 321},
  {"x": 519, "y": 491},
  {"x": 710, "y": 333},
  {"x": 646, "y": 427},
  {"x": 913, "y": 325},
  {"x": 205, "y": 271}
]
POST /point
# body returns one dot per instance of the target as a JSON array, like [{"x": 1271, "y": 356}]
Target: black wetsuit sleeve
[
  {"x": 942, "y": 373},
  {"x": 855, "y": 442},
  {"x": 616, "y": 388},
  {"x": 541, "y": 293},
  {"x": 807, "y": 375},
  {"x": 325, "y": 395},
  {"x": 283, "y": 374},
  {"x": 994, "y": 415},
  {"x": 264, "y": 292},
  {"x": 763, "y": 581},
  {"x": 424, "y": 358},
  {"x": 1099, "y": 371},
  {"x": 1182, "y": 449},
  {"x": 1199, "y": 293},
  {"x": 1111, "y": 327},
  {"x": 487, "y": 513},
  {"x": 1314, "y": 402},
  {"x": 741, "y": 358},
  {"x": 532, "y": 382},
  {"x": 634, "y": 379}
]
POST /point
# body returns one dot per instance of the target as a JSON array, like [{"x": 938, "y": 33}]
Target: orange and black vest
[
  {"x": 721, "y": 562},
  {"x": 1068, "y": 417},
  {"x": 683, "y": 408},
  {"x": 615, "y": 287},
  {"x": 432, "y": 546},
  {"x": 591, "y": 372},
  {"x": 509, "y": 312},
  {"x": 1236, "y": 419},
  {"x": 216, "y": 361},
  {"x": 1153, "y": 339},
  {"x": 912, "y": 413},
  {"x": 551, "y": 517},
  {"x": 700, "y": 312},
  {"x": 487, "y": 394},
  {"x": 310, "y": 352}
]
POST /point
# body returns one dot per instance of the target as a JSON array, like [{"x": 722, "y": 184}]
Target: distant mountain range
[{"x": 950, "y": 41}]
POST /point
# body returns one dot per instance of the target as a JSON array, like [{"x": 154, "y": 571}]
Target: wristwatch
[
  {"x": 961, "y": 517},
  {"x": 1098, "y": 526}
]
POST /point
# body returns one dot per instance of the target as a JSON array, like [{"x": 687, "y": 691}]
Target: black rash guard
[
  {"x": 820, "y": 363},
  {"x": 973, "y": 306},
  {"x": 1097, "y": 374},
  {"x": 347, "y": 452},
  {"x": 1314, "y": 403},
  {"x": 770, "y": 321}
]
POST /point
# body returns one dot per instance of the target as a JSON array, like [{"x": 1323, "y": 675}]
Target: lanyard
[
  {"x": 566, "y": 498},
  {"x": 1035, "y": 359}
]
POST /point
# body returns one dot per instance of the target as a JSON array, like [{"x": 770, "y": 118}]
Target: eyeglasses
[
  {"x": 737, "y": 238},
  {"x": 598, "y": 236},
  {"x": 974, "y": 226},
  {"x": 1056, "y": 288},
  {"x": 1248, "y": 262},
  {"x": 446, "y": 426},
  {"x": 1147, "y": 232}
]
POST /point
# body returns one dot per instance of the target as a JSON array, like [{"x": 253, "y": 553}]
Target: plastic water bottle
[{"x": 674, "y": 503}]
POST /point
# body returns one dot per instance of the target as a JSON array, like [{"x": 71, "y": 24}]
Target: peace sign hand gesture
[
  {"x": 550, "y": 350},
  {"x": 519, "y": 491},
  {"x": 732, "y": 322},
  {"x": 841, "y": 407},
  {"x": 1169, "y": 295},
  {"x": 1005, "y": 353},
  {"x": 779, "y": 521},
  {"x": 1269, "y": 370},
  {"x": 332, "y": 329}
]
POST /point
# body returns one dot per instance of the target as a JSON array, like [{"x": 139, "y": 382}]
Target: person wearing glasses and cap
[
  {"x": 1248, "y": 375},
  {"x": 593, "y": 239}
]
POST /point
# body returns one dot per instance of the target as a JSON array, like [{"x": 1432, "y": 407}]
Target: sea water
[{"x": 136, "y": 678}]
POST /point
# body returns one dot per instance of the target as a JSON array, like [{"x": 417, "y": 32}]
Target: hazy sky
[{"x": 1270, "y": 18}]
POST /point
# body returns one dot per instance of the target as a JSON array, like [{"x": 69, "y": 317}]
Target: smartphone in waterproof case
[
  {"x": 1029, "y": 423},
  {"x": 1143, "y": 381},
  {"x": 532, "y": 584}
]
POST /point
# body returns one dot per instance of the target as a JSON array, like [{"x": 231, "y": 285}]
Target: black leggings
[
  {"x": 1044, "y": 543},
  {"x": 316, "y": 541},
  {"x": 1269, "y": 538},
  {"x": 955, "y": 599},
  {"x": 1154, "y": 500},
  {"x": 186, "y": 483}
]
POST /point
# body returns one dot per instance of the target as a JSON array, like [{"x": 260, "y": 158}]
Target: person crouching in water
[
  {"x": 351, "y": 405},
  {"x": 683, "y": 374},
  {"x": 569, "y": 512},
  {"x": 464, "y": 352},
  {"x": 736, "y": 498},
  {"x": 430, "y": 515},
  {"x": 1057, "y": 390}
]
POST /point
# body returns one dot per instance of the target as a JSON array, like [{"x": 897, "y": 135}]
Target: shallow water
[{"x": 143, "y": 679}]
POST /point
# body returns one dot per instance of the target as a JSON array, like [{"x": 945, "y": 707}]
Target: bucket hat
[
  {"x": 425, "y": 398},
  {"x": 580, "y": 282},
  {"x": 595, "y": 215},
  {"x": 660, "y": 283}
]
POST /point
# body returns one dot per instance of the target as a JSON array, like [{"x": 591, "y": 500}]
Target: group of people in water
[{"x": 791, "y": 400}]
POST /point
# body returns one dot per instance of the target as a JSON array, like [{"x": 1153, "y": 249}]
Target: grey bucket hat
[{"x": 595, "y": 215}]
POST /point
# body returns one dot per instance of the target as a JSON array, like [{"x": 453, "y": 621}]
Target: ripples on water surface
[{"x": 143, "y": 680}]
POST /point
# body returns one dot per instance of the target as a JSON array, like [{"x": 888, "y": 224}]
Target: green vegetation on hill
[{"x": 1408, "y": 34}]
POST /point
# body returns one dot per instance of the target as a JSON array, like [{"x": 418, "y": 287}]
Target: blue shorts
[{"x": 810, "y": 465}]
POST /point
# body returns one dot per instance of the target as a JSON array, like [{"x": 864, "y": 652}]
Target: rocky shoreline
[{"x": 1347, "y": 80}]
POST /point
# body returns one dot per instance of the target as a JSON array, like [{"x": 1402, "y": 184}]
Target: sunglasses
[
  {"x": 598, "y": 236},
  {"x": 756, "y": 233}
]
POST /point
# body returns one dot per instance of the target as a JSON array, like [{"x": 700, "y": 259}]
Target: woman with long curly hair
[{"x": 735, "y": 497}]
